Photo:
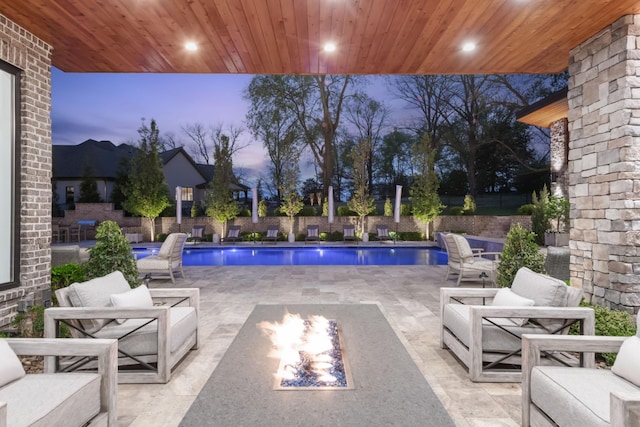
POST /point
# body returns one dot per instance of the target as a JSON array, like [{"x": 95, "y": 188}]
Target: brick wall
[
  {"x": 604, "y": 160},
  {"x": 23, "y": 50}
]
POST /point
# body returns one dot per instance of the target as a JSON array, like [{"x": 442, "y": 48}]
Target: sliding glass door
[{"x": 9, "y": 176}]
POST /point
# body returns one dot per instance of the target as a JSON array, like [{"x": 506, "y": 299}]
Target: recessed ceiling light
[
  {"x": 191, "y": 46},
  {"x": 468, "y": 47},
  {"x": 329, "y": 47}
]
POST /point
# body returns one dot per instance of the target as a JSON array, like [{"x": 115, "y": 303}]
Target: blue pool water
[{"x": 309, "y": 256}]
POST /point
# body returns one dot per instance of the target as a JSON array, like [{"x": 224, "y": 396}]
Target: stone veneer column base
[{"x": 604, "y": 165}]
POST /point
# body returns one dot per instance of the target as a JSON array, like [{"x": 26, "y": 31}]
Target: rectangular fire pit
[{"x": 389, "y": 388}]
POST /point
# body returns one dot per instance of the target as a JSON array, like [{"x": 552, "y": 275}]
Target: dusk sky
[{"x": 110, "y": 107}]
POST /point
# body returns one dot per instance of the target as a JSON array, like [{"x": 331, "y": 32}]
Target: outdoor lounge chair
[
  {"x": 168, "y": 259},
  {"x": 233, "y": 234},
  {"x": 466, "y": 263},
  {"x": 383, "y": 233},
  {"x": 487, "y": 338},
  {"x": 273, "y": 231},
  {"x": 56, "y": 398},
  {"x": 584, "y": 395},
  {"x": 197, "y": 233},
  {"x": 155, "y": 328},
  {"x": 349, "y": 233},
  {"x": 313, "y": 233}
]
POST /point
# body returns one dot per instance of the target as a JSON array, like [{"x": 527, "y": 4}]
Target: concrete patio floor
[{"x": 407, "y": 295}]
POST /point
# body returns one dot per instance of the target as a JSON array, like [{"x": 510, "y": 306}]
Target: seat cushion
[
  {"x": 494, "y": 339},
  {"x": 143, "y": 342},
  {"x": 576, "y": 397},
  {"x": 50, "y": 400},
  {"x": 97, "y": 293},
  {"x": 153, "y": 263}
]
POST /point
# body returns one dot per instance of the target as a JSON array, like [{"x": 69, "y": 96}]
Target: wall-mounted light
[{"x": 554, "y": 176}]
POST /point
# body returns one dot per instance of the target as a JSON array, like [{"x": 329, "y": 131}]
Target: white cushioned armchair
[
  {"x": 581, "y": 396},
  {"x": 487, "y": 338},
  {"x": 168, "y": 259},
  {"x": 54, "y": 399},
  {"x": 155, "y": 328}
]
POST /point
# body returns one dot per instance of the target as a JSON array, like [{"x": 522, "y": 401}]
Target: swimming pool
[{"x": 329, "y": 255}]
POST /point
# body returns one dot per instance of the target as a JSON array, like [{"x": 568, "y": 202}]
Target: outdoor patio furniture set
[{"x": 521, "y": 334}]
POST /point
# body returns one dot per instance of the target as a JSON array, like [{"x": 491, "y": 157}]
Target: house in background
[{"x": 104, "y": 158}]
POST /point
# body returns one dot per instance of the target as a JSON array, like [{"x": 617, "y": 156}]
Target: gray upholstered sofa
[
  {"x": 486, "y": 338},
  {"x": 581, "y": 396},
  {"x": 54, "y": 399},
  {"x": 155, "y": 328}
]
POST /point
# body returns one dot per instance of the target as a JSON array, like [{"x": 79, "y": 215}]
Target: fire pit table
[{"x": 387, "y": 388}]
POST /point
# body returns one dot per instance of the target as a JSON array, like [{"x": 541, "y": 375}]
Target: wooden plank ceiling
[{"x": 286, "y": 36}]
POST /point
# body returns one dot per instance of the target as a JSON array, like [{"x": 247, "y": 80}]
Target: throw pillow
[
  {"x": 10, "y": 366},
  {"x": 505, "y": 297},
  {"x": 137, "y": 297},
  {"x": 626, "y": 364}
]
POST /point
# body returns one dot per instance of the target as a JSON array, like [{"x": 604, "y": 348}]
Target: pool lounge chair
[
  {"x": 233, "y": 235},
  {"x": 168, "y": 259},
  {"x": 383, "y": 233},
  {"x": 349, "y": 233},
  {"x": 313, "y": 233},
  {"x": 273, "y": 232},
  {"x": 197, "y": 233}
]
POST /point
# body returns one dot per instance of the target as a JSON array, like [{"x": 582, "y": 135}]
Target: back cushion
[
  {"x": 463, "y": 246},
  {"x": 626, "y": 363},
  {"x": 167, "y": 246},
  {"x": 545, "y": 290},
  {"x": 348, "y": 232},
  {"x": 97, "y": 293},
  {"x": 234, "y": 232},
  {"x": 10, "y": 366},
  {"x": 383, "y": 232},
  {"x": 272, "y": 232},
  {"x": 312, "y": 232}
]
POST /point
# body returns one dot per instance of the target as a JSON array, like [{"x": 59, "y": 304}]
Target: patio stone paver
[{"x": 407, "y": 295}]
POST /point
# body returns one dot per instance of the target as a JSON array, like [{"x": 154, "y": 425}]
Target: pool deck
[{"x": 407, "y": 295}]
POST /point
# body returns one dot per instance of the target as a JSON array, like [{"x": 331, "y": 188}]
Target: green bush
[
  {"x": 388, "y": 207},
  {"x": 406, "y": 210},
  {"x": 409, "y": 236},
  {"x": 526, "y": 209},
  {"x": 31, "y": 323},
  {"x": 345, "y": 211},
  {"x": 456, "y": 210},
  {"x": 111, "y": 252},
  {"x": 64, "y": 275},
  {"x": 244, "y": 212},
  {"x": 161, "y": 237},
  {"x": 469, "y": 207},
  {"x": 308, "y": 211},
  {"x": 520, "y": 250},
  {"x": 195, "y": 210},
  {"x": 539, "y": 219},
  {"x": 612, "y": 323}
]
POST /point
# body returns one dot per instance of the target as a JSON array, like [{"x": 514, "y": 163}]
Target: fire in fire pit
[{"x": 311, "y": 353}]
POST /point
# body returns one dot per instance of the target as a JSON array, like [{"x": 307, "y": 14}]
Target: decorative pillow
[
  {"x": 137, "y": 297},
  {"x": 10, "y": 366},
  {"x": 272, "y": 232},
  {"x": 349, "y": 232},
  {"x": 96, "y": 293},
  {"x": 505, "y": 297},
  {"x": 234, "y": 232},
  {"x": 312, "y": 232},
  {"x": 626, "y": 364}
]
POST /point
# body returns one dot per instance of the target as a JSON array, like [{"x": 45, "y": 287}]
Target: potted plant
[{"x": 557, "y": 215}]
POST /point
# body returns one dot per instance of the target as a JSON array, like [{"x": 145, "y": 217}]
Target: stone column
[
  {"x": 604, "y": 165},
  {"x": 559, "y": 148}
]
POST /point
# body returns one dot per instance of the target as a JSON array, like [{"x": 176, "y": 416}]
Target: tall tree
[
  {"x": 368, "y": 117},
  {"x": 394, "y": 161},
  {"x": 199, "y": 137},
  {"x": 291, "y": 200},
  {"x": 361, "y": 201},
  {"x": 146, "y": 191},
  {"x": 89, "y": 187},
  {"x": 220, "y": 203},
  {"x": 280, "y": 137},
  {"x": 316, "y": 102},
  {"x": 424, "y": 189}
]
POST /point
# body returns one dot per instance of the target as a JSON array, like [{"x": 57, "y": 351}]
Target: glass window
[
  {"x": 69, "y": 195},
  {"x": 9, "y": 176}
]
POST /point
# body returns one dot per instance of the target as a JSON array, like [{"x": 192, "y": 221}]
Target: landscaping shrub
[
  {"x": 469, "y": 207},
  {"x": 406, "y": 210},
  {"x": 409, "y": 236},
  {"x": 345, "y": 211},
  {"x": 614, "y": 323},
  {"x": 456, "y": 210},
  {"x": 161, "y": 237},
  {"x": 31, "y": 323},
  {"x": 520, "y": 250},
  {"x": 308, "y": 211},
  {"x": 111, "y": 252},
  {"x": 526, "y": 209},
  {"x": 539, "y": 219},
  {"x": 388, "y": 207},
  {"x": 64, "y": 275}
]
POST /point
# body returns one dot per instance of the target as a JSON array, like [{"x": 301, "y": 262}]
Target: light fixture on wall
[{"x": 554, "y": 176}]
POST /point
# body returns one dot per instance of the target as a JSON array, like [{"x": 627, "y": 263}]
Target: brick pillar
[
  {"x": 559, "y": 147},
  {"x": 32, "y": 56},
  {"x": 604, "y": 165}
]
